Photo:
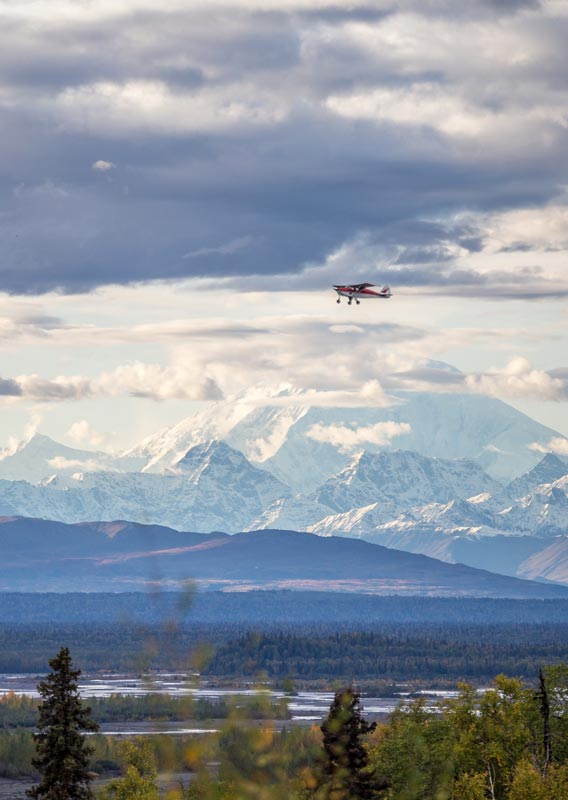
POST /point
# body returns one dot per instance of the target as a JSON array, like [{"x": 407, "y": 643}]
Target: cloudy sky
[{"x": 181, "y": 183}]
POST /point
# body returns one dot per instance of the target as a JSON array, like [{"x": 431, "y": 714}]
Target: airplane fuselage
[
  {"x": 360, "y": 292},
  {"x": 366, "y": 294}
]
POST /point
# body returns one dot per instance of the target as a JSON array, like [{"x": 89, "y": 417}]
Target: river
[{"x": 306, "y": 707}]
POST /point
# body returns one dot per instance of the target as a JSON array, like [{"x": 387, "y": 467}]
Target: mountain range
[
  {"x": 120, "y": 556},
  {"x": 457, "y": 492}
]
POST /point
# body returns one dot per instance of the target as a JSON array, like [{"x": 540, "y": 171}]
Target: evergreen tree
[
  {"x": 62, "y": 752},
  {"x": 345, "y": 767}
]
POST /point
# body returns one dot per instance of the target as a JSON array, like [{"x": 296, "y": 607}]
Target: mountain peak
[
  {"x": 38, "y": 440},
  {"x": 402, "y": 478},
  {"x": 549, "y": 469},
  {"x": 551, "y": 460},
  {"x": 212, "y": 450}
]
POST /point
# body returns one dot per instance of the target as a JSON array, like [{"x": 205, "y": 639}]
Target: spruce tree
[
  {"x": 62, "y": 752},
  {"x": 345, "y": 767}
]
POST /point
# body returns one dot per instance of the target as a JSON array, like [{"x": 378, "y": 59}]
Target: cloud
[
  {"x": 82, "y": 431},
  {"x": 46, "y": 190},
  {"x": 34, "y": 387},
  {"x": 227, "y": 249},
  {"x": 347, "y": 439},
  {"x": 557, "y": 445},
  {"x": 347, "y": 364},
  {"x": 263, "y": 144},
  {"x": 518, "y": 380},
  {"x": 464, "y": 256},
  {"x": 370, "y": 394},
  {"x": 155, "y": 382},
  {"x": 150, "y": 381},
  {"x": 10, "y": 388},
  {"x": 14, "y": 443},
  {"x": 102, "y": 166}
]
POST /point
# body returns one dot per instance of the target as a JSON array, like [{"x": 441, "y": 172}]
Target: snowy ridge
[
  {"x": 271, "y": 425},
  {"x": 220, "y": 491},
  {"x": 247, "y": 422},
  {"x": 548, "y": 470},
  {"x": 403, "y": 479}
]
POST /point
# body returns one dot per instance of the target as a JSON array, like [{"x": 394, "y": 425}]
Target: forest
[
  {"x": 321, "y": 653},
  {"x": 269, "y": 608}
]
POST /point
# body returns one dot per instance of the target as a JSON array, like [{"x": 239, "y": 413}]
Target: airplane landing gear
[
  {"x": 358, "y": 302},
  {"x": 338, "y": 300},
  {"x": 349, "y": 301}
]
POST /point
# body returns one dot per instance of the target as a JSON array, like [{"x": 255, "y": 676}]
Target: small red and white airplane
[{"x": 355, "y": 291}]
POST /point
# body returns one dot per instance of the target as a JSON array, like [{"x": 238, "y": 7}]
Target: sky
[{"x": 181, "y": 183}]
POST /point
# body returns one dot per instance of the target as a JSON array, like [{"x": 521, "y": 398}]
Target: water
[{"x": 305, "y": 707}]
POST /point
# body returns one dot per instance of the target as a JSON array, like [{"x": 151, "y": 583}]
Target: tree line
[
  {"x": 401, "y": 651},
  {"x": 449, "y": 653}
]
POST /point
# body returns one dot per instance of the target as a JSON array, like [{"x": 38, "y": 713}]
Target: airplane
[{"x": 363, "y": 290}]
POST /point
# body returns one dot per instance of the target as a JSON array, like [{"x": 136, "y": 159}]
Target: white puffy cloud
[
  {"x": 156, "y": 382},
  {"x": 347, "y": 439},
  {"x": 557, "y": 445},
  {"x": 138, "y": 379},
  {"x": 348, "y": 364},
  {"x": 102, "y": 166},
  {"x": 34, "y": 387},
  {"x": 518, "y": 380},
  {"x": 83, "y": 432},
  {"x": 14, "y": 442},
  {"x": 134, "y": 107}
]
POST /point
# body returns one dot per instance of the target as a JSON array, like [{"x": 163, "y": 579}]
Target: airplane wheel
[
  {"x": 338, "y": 300},
  {"x": 358, "y": 302}
]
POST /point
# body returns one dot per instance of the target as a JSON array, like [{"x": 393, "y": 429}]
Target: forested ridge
[
  {"x": 311, "y": 653},
  {"x": 465, "y": 652}
]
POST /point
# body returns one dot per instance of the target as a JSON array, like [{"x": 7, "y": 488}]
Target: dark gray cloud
[
  {"x": 10, "y": 388},
  {"x": 44, "y": 322},
  {"x": 233, "y": 140},
  {"x": 431, "y": 375}
]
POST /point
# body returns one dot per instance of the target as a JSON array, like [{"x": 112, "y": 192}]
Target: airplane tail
[{"x": 385, "y": 291}]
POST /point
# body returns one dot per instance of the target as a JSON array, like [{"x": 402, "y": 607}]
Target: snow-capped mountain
[
  {"x": 274, "y": 428},
  {"x": 543, "y": 512},
  {"x": 375, "y": 523},
  {"x": 441, "y": 426},
  {"x": 270, "y": 458},
  {"x": 247, "y": 422},
  {"x": 40, "y": 457},
  {"x": 294, "y": 513},
  {"x": 548, "y": 470},
  {"x": 403, "y": 479},
  {"x": 216, "y": 489},
  {"x": 520, "y": 537}
]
